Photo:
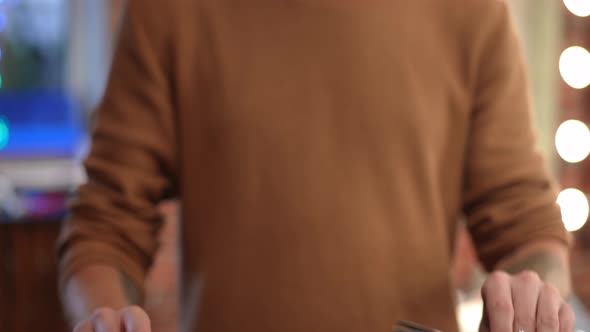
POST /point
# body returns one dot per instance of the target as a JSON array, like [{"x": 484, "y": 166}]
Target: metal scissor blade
[{"x": 407, "y": 326}]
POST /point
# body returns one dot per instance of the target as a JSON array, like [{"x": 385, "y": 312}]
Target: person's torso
[{"x": 321, "y": 148}]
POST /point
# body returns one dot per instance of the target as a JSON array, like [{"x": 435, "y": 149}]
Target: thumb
[{"x": 134, "y": 319}]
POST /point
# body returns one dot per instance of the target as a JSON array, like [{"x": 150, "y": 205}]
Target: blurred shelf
[{"x": 50, "y": 174}]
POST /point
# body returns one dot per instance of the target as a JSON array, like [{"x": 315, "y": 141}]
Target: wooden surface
[
  {"x": 28, "y": 278},
  {"x": 28, "y": 286}
]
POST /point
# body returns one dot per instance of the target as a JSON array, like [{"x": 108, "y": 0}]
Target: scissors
[{"x": 406, "y": 326}]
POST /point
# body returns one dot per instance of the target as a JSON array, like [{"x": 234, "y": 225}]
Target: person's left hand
[{"x": 524, "y": 303}]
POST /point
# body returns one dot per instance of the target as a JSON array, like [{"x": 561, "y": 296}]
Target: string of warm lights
[
  {"x": 572, "y": 139},
  {"x": 578, "y": 7}
]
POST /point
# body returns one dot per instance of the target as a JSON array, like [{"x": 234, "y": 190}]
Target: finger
[
  {"x": 84, "y": 326},
  {"x": 566, "y": 318},
  {"x": 548, "y": 307},
  {"x": 497, "y": 297},
  {"x": 105, "y": 320},
  {"x": 525, "y": 289},
  {"x": 134, "y": 319}
]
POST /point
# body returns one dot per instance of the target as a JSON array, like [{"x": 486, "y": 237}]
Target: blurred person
[{"x": 323, "y": 152}]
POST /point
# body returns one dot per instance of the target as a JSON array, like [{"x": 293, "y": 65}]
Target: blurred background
[{"x": 54, "y": 61}]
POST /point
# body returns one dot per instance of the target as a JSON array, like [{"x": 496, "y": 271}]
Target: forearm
[
  {"x": 95, "y": 287},
  {"x": 549, "y": 259}
]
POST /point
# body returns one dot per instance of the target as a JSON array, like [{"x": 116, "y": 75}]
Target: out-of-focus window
[
  {"x": 54, "y": 61},
  {"x": 33, "y": 40}
]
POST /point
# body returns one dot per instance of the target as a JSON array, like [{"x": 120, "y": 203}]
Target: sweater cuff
[{"x": 80, "y": 255}]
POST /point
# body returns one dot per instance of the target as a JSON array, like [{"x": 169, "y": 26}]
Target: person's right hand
[{"x": 128, "y": 319}]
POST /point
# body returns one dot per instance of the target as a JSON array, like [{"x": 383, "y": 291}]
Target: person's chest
[{"x": 380, "y": 75}]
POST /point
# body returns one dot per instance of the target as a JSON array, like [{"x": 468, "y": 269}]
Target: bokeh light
[
  {"x": 4, "y": 133},
  {"x": 574, "y": 67},
  {"x": 578, "y": 7},
  {"x": 574, "y": 208},
  {"x": 572, "y": 141},
  {"x": 469, "y": 314},
  {"x": 2, "y": 21}
]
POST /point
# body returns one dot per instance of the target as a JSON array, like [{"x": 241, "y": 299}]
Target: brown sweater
[{"x": 323, "y": 151}]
